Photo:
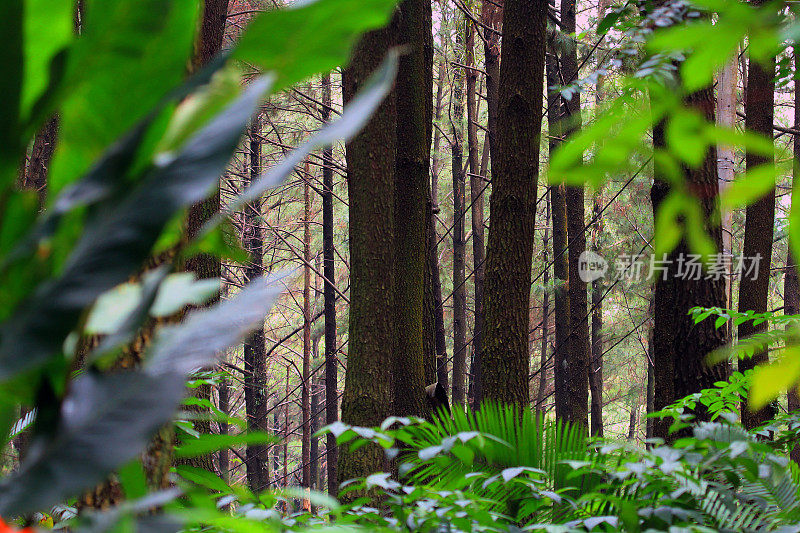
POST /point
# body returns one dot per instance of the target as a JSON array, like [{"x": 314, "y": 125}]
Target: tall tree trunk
[
  {"x": 491, "y": 21},
  {"x": 436, "y": 371},
  {"x": 436, "y": 351},
  {"x": 505, "y": 361},
  {"x": 316, "y": 396},
  {"x": 370, "y": 157},
  {"x": 411, "y": 193},
  {"x": 679, "y": 346},
  {"x": 306, "y": 377},
  {"x": 476, "y": 186},
  {"x": 596, "y": 361},
  {"x": 577, "y": 373},
  {"x": 224, "y": 456},
  {"x": 206, "y": 266},
  {"x": 759, "y": 222},
  {"x": 558, "y": 206},
  {"x": 329, "y": 295},
  {"x": 726, "y": 164},
  {"x": 650, "y": 393},
  {"x": 459, "y": 244},
  {"x": 540, "y": 392},
  {"x": 255, "y": 363},
  {"x": 598, "y": 287},
  {"x": 791, "y": 284}
]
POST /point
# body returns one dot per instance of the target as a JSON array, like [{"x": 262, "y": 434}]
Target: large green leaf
[
  {"x": 48, "y": 29},
  {"x": 108, "y": 418},
  {"x": 11, "y": 66},
  {"x": 130, "y": 54},
  {"x": 309, "y": 37},
  {"x": 119, "y": 236}
]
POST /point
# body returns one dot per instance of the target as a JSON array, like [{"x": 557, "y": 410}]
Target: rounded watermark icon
[{"x": 591, "y": 266}]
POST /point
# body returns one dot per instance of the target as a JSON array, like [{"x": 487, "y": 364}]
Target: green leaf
[
  {"x": 669, "y": 228},
  {"x": 11, "y": 65},
  {"x": 48, "y": 28},
  {"x": 309, "y": 37},
  {"x": 771, "y": 380},
  {"x": 684, "y": 134},
  {"x": 174, "y": 293},
  {"x": 320, "y": 499},
  {"x": 119, "y": 238},
  {"x": 108, "y": 418},
  {"x": 180, "y": 290},
  {"x": 203, "y": 477},
  {"x": 749, "y": 188},
  {"x": 142, "y": 46},
  {"x": 205, "y": 444}
]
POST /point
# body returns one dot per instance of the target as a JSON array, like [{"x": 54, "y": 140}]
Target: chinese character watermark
[{"x": 630, "y": 268}]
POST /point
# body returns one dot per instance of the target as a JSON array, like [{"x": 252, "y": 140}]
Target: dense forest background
[{"x": 530, "y": 265}]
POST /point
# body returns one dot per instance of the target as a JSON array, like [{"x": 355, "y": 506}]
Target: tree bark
[
  {"x": 540, "y": 393},
  {"x": 306, "y": 377},
  {"x": 329, "y": 296},
  {"x": 505, "y": 361},
  {"x": 370, "y": 158},
  {"x": 459, "y": 244},
  {"x": 759, "y": 223},
  {"x": 206, "y": 266},
  {"x": 679, "y": 346},
  {"x": 255, "y": 363},
  {"x": 596, "y": 362},
  {"x": 414, "y": 93},
  {"x": 560, "y": 257},
  {"x": 791, "y": 284},
  {"x": 476, "y": 187},
  {"x": 577, "y": 373}
]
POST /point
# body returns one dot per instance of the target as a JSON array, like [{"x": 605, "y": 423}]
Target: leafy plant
[{"x": 127, "y": 166}]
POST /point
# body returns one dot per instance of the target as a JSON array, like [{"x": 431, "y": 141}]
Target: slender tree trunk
[
  {"x": 223, "y": 456},
  {"x": 577, "y": 373},
  {"x": 726, "y": 164},
  {"x": 759, "y": 223},
  {"x": 540, "y": 393},
  {"x": 368, "y": 388},
  {"x": 435, "y": 307},
  {"x": 491, "y": 21},
  {"x": 492, "y": 18},
  {"x": 459, "y": 244},
  {"x": 650, "y": 428},
  {"x": 560, "y": 264},
  {"x": 329, "y": 295},
  {"x": 791, "y": 284},
  {"x": 306, "y": 386},
  {"x": 255, "y": 364},
  {"x": 436, "y": 352},
  {"x": 286, "y": 435},
  {"x": 411, "y": 193},
  {"x": 596, "y": 362},
  {"x": 598, "y": 288},
  {"x": 476, "y": 186},
  {"x": 437, "y": 136},
  {"x": 505, "y": 361},
  {"x": 206, "y": 266},
  {"x": 316, "y": 396}
]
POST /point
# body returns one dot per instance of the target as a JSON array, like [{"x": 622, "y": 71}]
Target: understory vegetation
[{"x": 156, "y": 271}]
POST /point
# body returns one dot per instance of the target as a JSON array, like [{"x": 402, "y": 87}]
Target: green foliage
[
  {"x": 767, "y": 382},
  {"x": 138, "y": 144}
]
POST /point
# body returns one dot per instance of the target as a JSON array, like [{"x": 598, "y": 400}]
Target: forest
[{"x": 399, "y": 265}]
